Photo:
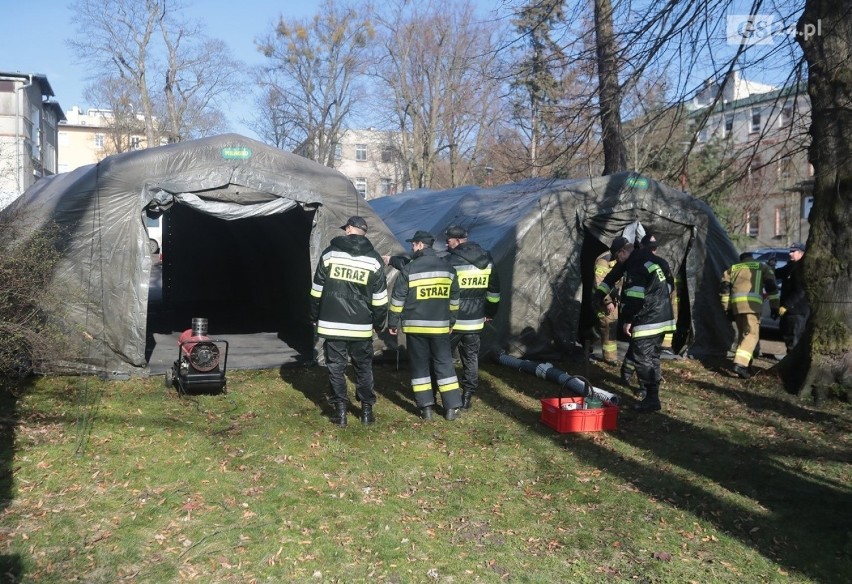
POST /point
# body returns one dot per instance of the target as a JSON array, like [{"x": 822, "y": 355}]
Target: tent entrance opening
[{"x": 245, "y": 276}]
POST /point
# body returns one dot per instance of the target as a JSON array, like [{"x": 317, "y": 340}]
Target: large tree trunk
[
  {"x": 825, "y": 35},
  {"x": 609, "y": 92}
]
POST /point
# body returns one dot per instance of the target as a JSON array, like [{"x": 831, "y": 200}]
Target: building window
[
  {"x": 35, "y": 133},
  {"x": 785, "y": 168},
  {"x": 729, "y": 125},
  {"x": 780, "y": 221},
  {"x": 361, "y": 186},
  {"x": 387, "y": 154},
  {"x": 807, "y": 205},
  {"x": 752, "y": 224},
  {"x": 785, "y": 118},
  {"x": 99, "y": 141},
  {"x": 702, "y": 136},
  {"x": 338, "y": 151},
  {"x": 135, "y": 143},
  {"x": 360, "y": 152},
  {"x": 387, "y": 187},
  {"x": 755, "y": 120}
]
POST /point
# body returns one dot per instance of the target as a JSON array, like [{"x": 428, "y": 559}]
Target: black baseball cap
[
  {"x": 456, "y": 232},
  {"x": 356, "y": 221},
  {"x": 650, "y": 240},
  {"x": 798, "y": 246},
  {"x": 617, "y": 243},
  {"x": 423, "y": 237}
]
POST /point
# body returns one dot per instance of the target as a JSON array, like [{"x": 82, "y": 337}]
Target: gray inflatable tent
[
  {"x": 244, "y": 224},
  {"x": 545, "y": 235}
]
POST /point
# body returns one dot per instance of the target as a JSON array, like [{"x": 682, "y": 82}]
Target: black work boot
[
  {"x": 742, "y": 372},
  {"x": 651, "y": 403},
  {"x": 467, "y": 399},
  {"x": 451, "y": 414},
  {"x": 426, "y": 412},
  {"x": 367, "y": 416},
  {"x": 339, "y": 415}
]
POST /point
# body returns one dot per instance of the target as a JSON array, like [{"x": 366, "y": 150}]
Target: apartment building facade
[
  {"x": 763, "y": 131},
  {"x": 29, "y": 122},
  {"x": 371, "y": 159},
  {"x": 87, "y": 137}
]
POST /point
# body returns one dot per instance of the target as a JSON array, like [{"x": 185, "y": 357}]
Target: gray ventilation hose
[{"x": 575, "y": 384}]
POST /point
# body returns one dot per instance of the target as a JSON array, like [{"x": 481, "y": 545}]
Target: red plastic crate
[{"x": 603, "y": 418}]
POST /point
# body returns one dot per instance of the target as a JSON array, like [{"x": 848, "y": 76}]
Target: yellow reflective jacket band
[
  {"x": 380, "y": 298},
  {"x": 343, "y": 329},
  {"x": 650, "y": 330},
  {"x": 426, "y": 330},
  {"x": 470, "y": 325}
]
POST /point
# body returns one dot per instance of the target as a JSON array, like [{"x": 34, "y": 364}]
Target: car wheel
[{"x": 152, "y": 246}]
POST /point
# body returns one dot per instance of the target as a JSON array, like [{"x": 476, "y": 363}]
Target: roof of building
[
  {"x": 758, "y": 98},
  {"x": 40, "y": 78}
]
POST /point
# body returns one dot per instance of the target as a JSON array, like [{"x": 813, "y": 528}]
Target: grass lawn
[{"x": 734, "y": 481}]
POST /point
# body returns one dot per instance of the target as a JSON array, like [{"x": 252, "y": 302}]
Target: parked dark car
[{"x": 775, "y": 258}]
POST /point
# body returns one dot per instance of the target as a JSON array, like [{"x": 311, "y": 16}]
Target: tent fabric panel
[
  {"x": 535, "y": 230},
  {"x": 105, "y": 265}
]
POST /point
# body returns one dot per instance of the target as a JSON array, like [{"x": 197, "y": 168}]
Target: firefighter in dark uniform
[
  {"x": 646, "y": 314},
  {"x": 651, "y": 242},
  {"x": 741, "y": 294},
  {"x": 349, "y": 300},
  {"x": 607, "y": 317},
  {"x": 479, "y": 298},
  {"x": 424, "y": 305}
]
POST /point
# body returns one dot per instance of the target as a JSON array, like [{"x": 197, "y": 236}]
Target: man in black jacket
[
  {"x": 479, "y": 298},
  {"x": 424, "y": 304},
  {"x": 651, "y": 241},
  {"x": 795, "y": 308},
  {"x": 349, "y": 299},
  {"x": 646, "y": 314}
]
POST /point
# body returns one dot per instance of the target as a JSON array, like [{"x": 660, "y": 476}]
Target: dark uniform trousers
[
  {"x": 792, "y": 328},
  {"x": 337, "y": 355},
  {"x": 628, "y": 366},
  {"x": 644, "y": 353},
  {"x": 428, "y": 355},
  {"x": 468, "y": 346}
]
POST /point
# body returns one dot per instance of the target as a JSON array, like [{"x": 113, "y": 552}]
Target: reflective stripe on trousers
[{"x": 428, "y": 354}]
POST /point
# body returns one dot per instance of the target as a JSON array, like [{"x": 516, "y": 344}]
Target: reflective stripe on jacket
[
  {"x": 743, "y": 285},
  {"x": 647, "y": 305},
  {"x": 349, "y": 296},
  {"x": 425, "y": 299},
  {"x": 479, "y": 286}
]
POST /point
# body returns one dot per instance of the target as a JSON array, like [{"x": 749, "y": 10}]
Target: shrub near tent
[{"x": 28, "y": 338}]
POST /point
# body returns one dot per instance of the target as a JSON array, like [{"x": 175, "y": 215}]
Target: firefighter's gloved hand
[{"x": 782, "y": 311}]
